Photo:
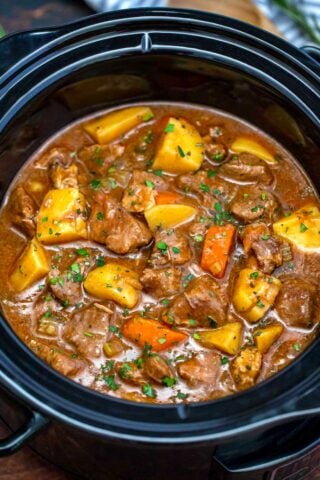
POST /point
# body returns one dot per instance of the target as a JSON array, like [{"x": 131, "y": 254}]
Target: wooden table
[{"x": 18, "y": 15}]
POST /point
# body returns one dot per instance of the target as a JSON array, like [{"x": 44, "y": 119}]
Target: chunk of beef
[
  {"x": 202, "y": 369},
  {"x": 47, "y": 313},
  {"x": 208, "y": 188},
  {"x": 252, "y": 203},
  {"x": 157, "y": 368},
  {"x": 63, "y": 362},
  {"x": 113, "y": 347},
  {"x": 246, "y": 367},
  {"x": 88, "y": 330},
  {"x": 56, "y": 156},
  {"x": 174, "y": 248},
  {"x": 23, "y": 211},
  {"x": 130, "y": 373},
  {"x": 214, "y": 151},
  {"x": 247, "y": 168},
  {"x": 162, "y": 282},
  {"x": 66, "y": 283},
  {"x": 141, "y": 191},
  {"x": 64, "y": 177},
  {"x": 202, "y": 301},
  {"x": 46, "y": 305},
  {"x": 111, "y": 224},
  {"x": 99, "y": 158},
  {"x": 267, "y": 247},
  {"x": 297, "y": 302},
  {"x": 285, "y": 354}
]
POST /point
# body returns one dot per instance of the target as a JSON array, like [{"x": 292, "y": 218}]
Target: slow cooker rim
[
  {"x": 165, "y": 439},
  {"x": 199, "y": 18}
]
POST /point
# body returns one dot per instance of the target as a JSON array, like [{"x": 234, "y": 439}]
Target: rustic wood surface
[{"x": 18, "y": 15}]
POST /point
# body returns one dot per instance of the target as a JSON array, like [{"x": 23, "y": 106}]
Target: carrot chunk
[
  {"x": 165, "y": 198},
  {"x": 216, "y": 248},
  {"x": 145, "y": 331}
]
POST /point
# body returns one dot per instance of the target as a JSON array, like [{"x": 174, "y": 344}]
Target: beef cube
[
  {"x": 171, "y": 246},
  {"x": 203, "y": 302},
  {"x": 247, "y": 168},
  {"x": 141, "y": 191},
  {"x": 88, "y": 330},
  {"x": 23, "y": 211},
  {"x": 161, "y": 282},
  {"x": 112, "y": 225},
  {"x": 297, "y": 303},
  {"x": 99, "y": 158},
  {"x": 252, "y": 203},
  {"x": 267, "y": 247},
  {"x": 202, "y": 369},
  {"x": 158, "y": 369}
]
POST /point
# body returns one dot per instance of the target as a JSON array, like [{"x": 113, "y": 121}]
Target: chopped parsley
[
  {"x": 110, "y": 381},
  {"x": 162, "y": 340},
  {"x": 169, "y": 128},
  {"x": 169, "y": 381},
  {"x": 82, "y": 252},
  {"x": 303, "y": 228},
  {"x": 148, "y": 390},
  {"x": 148, "y": 116},
  {"x": 254, "y": 275},
  {"x": 211, "y": 173},
  {"x": 265, "y": 237},
  {"x": 158, "y": 172},
  {"x": 224, "y": 360},
  {"x": 162, "y": 246},
  {"x": 100, "y": 216},
  {"x": 198, "y": 238},
  {"x": 182, "y": 396},
  {"x": 181, "y": 152},
  {"x": 165, "y": 301},
  {"x": 260, "y": 304},
  {"x": 204, "y": 187},
  {"x": 95, "y": 184},
  {"x": 149, "y": 184},
  {"x": 124, "y": 370},
  {"x": 297, "y": 347},
  {"x": 176, "y": 250},
  {"x": 100, "y": 262},
  {"x": 196, "y": 336}
]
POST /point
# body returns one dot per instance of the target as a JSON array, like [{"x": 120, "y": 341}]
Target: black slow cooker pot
[{"x": 52, "y": 77}]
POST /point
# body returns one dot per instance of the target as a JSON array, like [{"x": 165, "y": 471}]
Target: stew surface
[{"x": 162, "y": 253}]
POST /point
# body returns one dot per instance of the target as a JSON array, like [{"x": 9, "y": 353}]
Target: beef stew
[{"x": 162, "y": 253}]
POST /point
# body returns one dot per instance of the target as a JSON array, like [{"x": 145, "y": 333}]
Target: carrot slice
[
  {"x": 145, "y": 331},
  {"x": 165, "y": 198},
  {"x": 216, "y": 248}
]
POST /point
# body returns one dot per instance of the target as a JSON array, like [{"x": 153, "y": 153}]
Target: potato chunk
[
  {"x": 248, "y": 145},
  {"x": 180, "y": 149},
  {"x": 168, "y": 216},
  {"x": 111, "y": 126},
  {"x": 61, "y": 217},
  {"x": 30, "y": 266},
  {"x": 226, "y": 338},
  {"x": 302, "y": 228},
  {"x": 265, "y": 337},
  {"x": 254, "y": 293},
  {"x": 114, "y": 282}
]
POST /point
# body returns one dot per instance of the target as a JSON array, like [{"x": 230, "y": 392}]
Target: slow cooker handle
[{"x": 17, "y": 439}]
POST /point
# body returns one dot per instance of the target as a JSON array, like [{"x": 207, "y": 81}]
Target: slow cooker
[{"x": 52, "y": 77}]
